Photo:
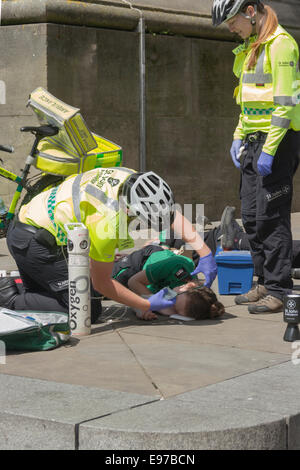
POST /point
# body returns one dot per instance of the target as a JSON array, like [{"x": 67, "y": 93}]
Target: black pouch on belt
[{"x": 45, "y": 238}]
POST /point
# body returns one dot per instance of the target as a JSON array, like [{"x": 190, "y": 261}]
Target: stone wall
[{"x": 86, "y": 53}]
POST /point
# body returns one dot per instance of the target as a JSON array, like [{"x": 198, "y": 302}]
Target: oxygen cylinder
[{"x": 79, "y": 279}]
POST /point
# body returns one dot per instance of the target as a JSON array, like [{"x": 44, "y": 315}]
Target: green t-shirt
[{"x": 164, "y": 268}]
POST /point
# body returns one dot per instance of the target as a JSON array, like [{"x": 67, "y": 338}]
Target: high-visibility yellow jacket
[
  {"x": 269, "y": 94},
  {"x": 91, "y": 198}
]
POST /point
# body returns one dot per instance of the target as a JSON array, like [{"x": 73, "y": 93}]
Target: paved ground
[{"x": 164, "y": 369}]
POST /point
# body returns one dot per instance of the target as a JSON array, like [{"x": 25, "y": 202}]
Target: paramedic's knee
[{"x": 60, "y": 290}]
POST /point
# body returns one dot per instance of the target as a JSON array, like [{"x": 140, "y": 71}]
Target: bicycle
[{"x": 33, "y": 185}]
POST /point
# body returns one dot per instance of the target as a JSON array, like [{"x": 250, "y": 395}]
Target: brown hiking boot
[
  {"x": 268, "y": 304},
  {"x": 254, "y": 295}
]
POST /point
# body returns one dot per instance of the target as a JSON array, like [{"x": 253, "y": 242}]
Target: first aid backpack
[
  {"x": 56, "y": 157},
  {"x": 74, "y": 149}
]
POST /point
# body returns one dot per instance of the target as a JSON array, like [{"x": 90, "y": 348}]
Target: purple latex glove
[
  {"x": 264, "y": 164},
  {"x": 159, "y": 302},
  {"x": 234, "y": 151},
  {"x": 208, "y": 266}
]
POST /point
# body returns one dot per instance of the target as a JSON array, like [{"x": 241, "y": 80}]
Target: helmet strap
[{"x": 252, "y": 19}]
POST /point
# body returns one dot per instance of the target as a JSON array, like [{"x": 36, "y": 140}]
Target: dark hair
[{"x": 202, "y": 303}]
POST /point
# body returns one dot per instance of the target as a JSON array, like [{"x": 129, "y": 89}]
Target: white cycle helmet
[
  {"x": 149, "y": 198},
  {"x": 223, "y": 10}
]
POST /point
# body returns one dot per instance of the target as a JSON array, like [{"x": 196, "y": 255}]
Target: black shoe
[
  {"x": 227, "y": 228},
  {"x": 8, "y": 292}
]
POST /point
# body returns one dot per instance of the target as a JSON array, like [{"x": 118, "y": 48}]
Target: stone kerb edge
[{"x": 118, "y": 420}]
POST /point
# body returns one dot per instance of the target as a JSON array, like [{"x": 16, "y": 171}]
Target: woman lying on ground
[
  {"x": 152, "y": 268},
  {"x": 194, "y": 301}
]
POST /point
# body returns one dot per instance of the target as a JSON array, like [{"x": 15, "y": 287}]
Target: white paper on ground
[
  {"x": 10, "y": 321},
  {"x": 181, "y": 317}
]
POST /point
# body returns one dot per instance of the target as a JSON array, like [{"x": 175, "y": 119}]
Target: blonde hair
[{"x": 269, "y": 26}]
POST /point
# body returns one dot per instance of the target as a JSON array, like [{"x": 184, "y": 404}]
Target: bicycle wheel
[{"x": 45, "y": 182}]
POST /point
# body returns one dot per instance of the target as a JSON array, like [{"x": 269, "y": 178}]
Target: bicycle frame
[
  {"x": 18, "y": 180},
  {"x": 39, "y": 133}
]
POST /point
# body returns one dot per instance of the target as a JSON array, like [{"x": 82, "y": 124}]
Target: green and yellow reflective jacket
[
  {"x": 269, "y": 93},
  {"x": 92, "y": 198}
]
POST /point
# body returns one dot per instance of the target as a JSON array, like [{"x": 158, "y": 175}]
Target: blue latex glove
[
  {"x": 159, "y": 302},
  {"x": 234, "y": 151},
  {"x": 208, "y": 266},
  {"x": 264, "y": 164}
]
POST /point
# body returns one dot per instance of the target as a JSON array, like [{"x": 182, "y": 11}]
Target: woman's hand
[
  {"x": 264, "y": 164},
  {"x": 159, "y": 301},
  {"x": 234, "y": 151},
  {"x": 148, "y": 316},
  {"x": 208, "y": 266}
]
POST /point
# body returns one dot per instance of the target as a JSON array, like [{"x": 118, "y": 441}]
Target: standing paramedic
[
  {"x": 266, "y": 142},
  {"x": 105, "y": 201}
]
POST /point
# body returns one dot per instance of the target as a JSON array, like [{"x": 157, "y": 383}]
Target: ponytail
[
  {"x": 269, "y": 26},
  {"x": 216, "y": 310}
]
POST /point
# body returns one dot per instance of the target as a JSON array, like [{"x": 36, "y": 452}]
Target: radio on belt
[{"x": 79, "y": 279}]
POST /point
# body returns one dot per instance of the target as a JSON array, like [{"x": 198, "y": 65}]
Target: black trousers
[
  {"x": 133, "y": 263},
  {"x": 266, "y": 209},
  {"x": 44, "y": 272}
]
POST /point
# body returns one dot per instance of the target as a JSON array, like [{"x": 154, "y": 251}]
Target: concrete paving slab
[
  {"x": 261, "y": 390},
  {"x": 241, "y": 311},
  {"x": 227, "y": 300},
  {"x": 170, "y": 359},
  {"x": 235, "y": 332},
  {"x": 103, "y": 361},
  {"x": 37, "y": 414},
  {"x": 177, "y": 366}
]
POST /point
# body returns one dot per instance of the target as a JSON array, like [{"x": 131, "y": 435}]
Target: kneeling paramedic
[{"x": 105, "y": 201}]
